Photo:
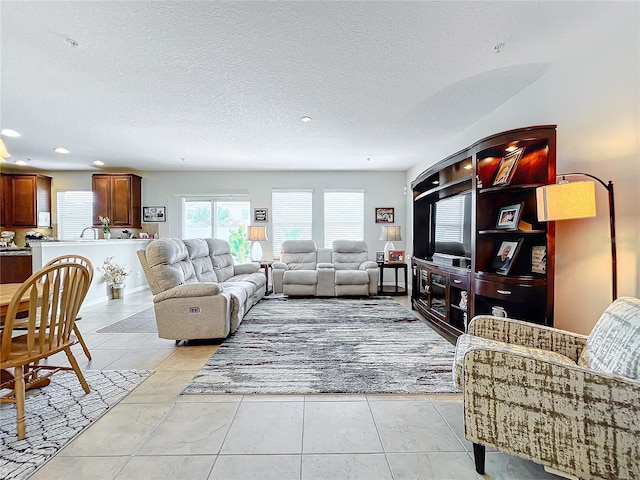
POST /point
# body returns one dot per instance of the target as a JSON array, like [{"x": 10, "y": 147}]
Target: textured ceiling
[{"x": 223, "y": 85}]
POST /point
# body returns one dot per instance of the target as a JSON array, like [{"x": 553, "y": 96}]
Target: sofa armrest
[
  {"x": 528, "y": 334},
  {"x": 249, "y": 267},
  {"x": 368, "y": 264},
  {"x": 189, "y": 290},
  {"x": 321, "y": 266},
  {"x": 279, "y": 266}
]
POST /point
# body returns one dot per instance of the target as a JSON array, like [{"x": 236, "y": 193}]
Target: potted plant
[
  {"x": 106, "y": 231},
  {"x": 114, "y": 275}
]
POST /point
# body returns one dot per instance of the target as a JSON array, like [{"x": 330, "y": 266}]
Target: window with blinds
[
  {"x": 292, "y": 216},
  {"x": 450, "y": 219},
  {"x": 75, "y": 213},
  {"x": 343, "y": 216}
]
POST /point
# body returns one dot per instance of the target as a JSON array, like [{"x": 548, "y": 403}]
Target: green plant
[{"x": 239, "y": 244}]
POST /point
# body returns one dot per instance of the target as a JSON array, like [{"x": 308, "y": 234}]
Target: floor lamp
[
  {"x": 257, "y": 234},
  {"x": 565, "y": 201},
  {"x": 390, "y": 234}
]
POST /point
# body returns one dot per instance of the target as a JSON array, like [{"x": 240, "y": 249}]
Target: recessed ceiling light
[
  {"x": 61, "y": 150},
  {"x": 306, "y": 119},
  {"x": 511, "y": 148},
  {"x": 468, "y": 166},
  {"x": 23, "y": 162},
  {"x": 436, "y": 182},
  {"x": 7, "y": 132},
  {"x": 98, "y": 163}
]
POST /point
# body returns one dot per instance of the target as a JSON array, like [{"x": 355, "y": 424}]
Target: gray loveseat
[
  {"x": 198, "y": 290},
  {"x": 344, "y": 269}
]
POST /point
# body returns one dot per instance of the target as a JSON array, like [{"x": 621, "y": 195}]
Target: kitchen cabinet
[
  {"x": 26, "y": 200},
  {"x": 119, "y": 197}
]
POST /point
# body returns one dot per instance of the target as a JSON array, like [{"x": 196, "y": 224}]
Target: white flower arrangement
[
  {"x": 113, "y": 273},
  {"x": 105, "y": 223}
]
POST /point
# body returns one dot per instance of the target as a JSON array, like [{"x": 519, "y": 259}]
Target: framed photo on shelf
[
  {"x": 260, "y": 215},
  {"x": 396, "y": 256},
  {"x": 509, "y": 217},
  {"x": 380, "y": 257},
  {"x": 507, "y": 167},
  {"x": 539, "y": 259},
  {"x": 154, "y": 214},
  {"x": 384, "y": 215},
  {"x": 505, "y": 256}
]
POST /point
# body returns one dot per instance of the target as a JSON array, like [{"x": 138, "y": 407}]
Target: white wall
[
  {"x": 594, "y": 98},
  {"x": 382, "y": 189}
]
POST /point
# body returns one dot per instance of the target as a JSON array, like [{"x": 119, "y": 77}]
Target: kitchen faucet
[{"x": 93, "y": 230}]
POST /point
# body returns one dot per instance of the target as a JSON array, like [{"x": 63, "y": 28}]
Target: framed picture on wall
[
  {"x": 384, "y": 215},
  {"x": 260, "y": 215},
  {"x": 154, "y": 214}
]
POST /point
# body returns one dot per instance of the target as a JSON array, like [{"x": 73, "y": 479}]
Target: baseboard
[{"x": 560, "y": 473}]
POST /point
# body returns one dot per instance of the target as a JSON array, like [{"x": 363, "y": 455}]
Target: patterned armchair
[{"x": 563, "y": 400}]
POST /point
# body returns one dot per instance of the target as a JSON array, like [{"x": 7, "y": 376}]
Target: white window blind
[
  {"x": 343, "y": 216},
  {"x": 450, "y": 219},
  {"x": 292, "y": 216},
  {"x": 75, "y": 213}
]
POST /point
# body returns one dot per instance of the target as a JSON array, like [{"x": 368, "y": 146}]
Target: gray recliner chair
[
  {"x": 303, "y": 270},
  {"x": 355, "y": 273}
]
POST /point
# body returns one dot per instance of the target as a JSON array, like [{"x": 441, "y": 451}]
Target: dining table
[{"x": 7, "y": 291}]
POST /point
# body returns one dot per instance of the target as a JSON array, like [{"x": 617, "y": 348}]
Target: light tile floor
[{"x": 157, "y": 433}]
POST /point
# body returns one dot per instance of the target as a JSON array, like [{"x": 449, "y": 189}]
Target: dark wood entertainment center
[{"x": 486, "y": 244}]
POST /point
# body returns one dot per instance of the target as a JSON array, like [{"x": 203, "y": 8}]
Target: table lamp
[
  {"x": 390, "y": 234},
  {"x": 257, "y": 234}
]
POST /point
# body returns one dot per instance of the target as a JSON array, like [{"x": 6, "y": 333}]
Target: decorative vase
[
  {"x": 117, "y": 291},
  {"x": 107, "y": 235}
]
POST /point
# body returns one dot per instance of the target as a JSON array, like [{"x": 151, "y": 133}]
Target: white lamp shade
[
  {"x": 391, "y": 233},
  {"x": 257, "y": 233},
  {"x": 564, "y": 201}
]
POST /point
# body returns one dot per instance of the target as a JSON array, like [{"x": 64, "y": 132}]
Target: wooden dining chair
[
  {"x": 87, "y": 263},
  {"x": 55, "y": 295}
]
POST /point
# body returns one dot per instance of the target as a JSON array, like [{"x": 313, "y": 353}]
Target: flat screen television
[{"x": 451, "y": 225}]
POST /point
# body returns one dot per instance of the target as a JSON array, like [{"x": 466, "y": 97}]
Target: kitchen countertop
[{"x": 14, "y": 252}]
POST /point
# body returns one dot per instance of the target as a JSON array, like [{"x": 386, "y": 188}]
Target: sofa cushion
[
  {"x": 352, "y": 277},
  {"x": 169, "y": 262},
  {"x": 299, "y": 254},
  {"x": 613, "y": 346},
  {"x": 301, "y": 277},
  {"x": 221, "y": 258},
  {"x": 256, "y": 279},
  {"x": 349, "y": 254},
  {"x": 466, "y": 343},
  {"x": 202, "y": 263}
]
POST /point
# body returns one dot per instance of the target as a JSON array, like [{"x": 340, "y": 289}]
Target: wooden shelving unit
[{"x": 524, "y": 293}]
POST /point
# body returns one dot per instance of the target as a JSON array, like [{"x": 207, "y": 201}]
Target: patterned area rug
[
  {"x": 329, "y": 345},
  {"x": 141, "y": 322},
  {"x": 56, "y": 414}
]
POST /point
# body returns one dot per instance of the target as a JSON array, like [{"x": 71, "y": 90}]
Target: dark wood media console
[{"x": 479, "y": 205}]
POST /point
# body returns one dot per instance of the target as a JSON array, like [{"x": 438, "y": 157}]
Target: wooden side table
[
  {"x": 266, "y": 264},
  {"x": 393, "y": 290}
]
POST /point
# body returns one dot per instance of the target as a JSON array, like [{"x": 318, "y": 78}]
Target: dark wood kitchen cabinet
[
  {"x": 26, "y": 200},
  {"x": 119, "y": 197}
]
